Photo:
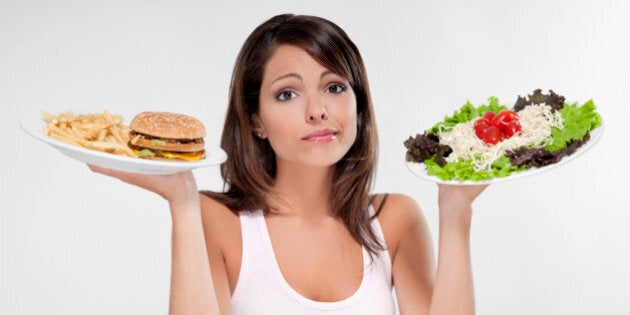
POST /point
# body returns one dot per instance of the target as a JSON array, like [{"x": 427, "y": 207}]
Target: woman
[{"x": 296, "y": 231}]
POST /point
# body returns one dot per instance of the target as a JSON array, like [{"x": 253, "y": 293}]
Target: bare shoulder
[
  {"x": 215, "y": 210},
  {"x": 221, "y": 225},
  {"x": 398, "y": 208},
  {"x": 399, "y": 216}
]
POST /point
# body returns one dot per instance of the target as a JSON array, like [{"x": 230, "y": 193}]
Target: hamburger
[{"x": 167, "y": 136}]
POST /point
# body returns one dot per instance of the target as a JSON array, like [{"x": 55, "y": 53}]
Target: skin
[{"x": 299, "y": 97}]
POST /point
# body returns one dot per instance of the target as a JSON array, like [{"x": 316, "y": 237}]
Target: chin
[{"x": 323, "y": 160}]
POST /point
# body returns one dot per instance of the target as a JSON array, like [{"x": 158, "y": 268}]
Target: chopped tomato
[
  {"x": 480, "y": 127},
  {"x": 488, "y": 116},
  {"x": 503, "y": 118},
  {"x": 512, "y": 128},
  {"x": 493, "y": 129},
  {"x": 493, "y": 135}
]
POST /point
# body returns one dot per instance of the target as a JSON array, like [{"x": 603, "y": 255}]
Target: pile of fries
[{"x": 103, "y": 132}]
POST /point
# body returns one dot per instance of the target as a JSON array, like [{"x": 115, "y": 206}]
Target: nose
[
  {"x": 316, "y": 111},
  {"x": 314, "y": 117}
]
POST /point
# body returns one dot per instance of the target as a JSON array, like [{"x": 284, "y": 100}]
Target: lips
[{"x": 321, "y": 136}]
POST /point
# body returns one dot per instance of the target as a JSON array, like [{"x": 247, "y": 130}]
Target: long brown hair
[{"x": 250, "y": 169}]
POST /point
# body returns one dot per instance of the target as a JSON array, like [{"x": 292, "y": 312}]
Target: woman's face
[{"x": 307, "y": 112}]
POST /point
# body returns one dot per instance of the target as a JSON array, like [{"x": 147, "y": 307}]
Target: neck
[{"x": 303, "y": 191}]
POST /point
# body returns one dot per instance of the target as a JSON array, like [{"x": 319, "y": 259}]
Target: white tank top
[{"x": 261, "y": 289}]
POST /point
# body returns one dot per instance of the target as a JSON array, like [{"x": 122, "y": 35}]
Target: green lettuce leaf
[
  {"x": 466, "y": 113},
  {"x": 465, "y": 170},
  {"x": 146, "y": 152},
  {"x": 578, "y": 121}
]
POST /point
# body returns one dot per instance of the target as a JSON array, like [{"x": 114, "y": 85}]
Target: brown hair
[{"x": 250, "y": 169}]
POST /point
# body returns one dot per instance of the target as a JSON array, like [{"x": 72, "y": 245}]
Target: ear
[{"x": 257, "y": 127}]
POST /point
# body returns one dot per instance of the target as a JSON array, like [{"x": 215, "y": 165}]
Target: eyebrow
[
  {"x": 285, "y": 76},
  {"x": 297, "y": 76}
]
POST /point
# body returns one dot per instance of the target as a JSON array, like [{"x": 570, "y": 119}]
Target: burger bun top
[{"x": 168, "y": 125}]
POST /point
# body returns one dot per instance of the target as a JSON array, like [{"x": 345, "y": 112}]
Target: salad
[{"x": 478, "y": 143}]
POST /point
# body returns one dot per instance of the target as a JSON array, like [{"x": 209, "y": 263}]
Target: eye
[
  {"x": 285, "y": 95},
  {"x": 336, "y": 88}
]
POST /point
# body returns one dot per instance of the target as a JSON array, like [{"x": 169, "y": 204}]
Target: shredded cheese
[{"x": 536, "y": 122}]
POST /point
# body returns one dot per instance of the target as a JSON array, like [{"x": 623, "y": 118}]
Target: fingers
[
  {"x": 124, "y": 176},
  {"x": 99, "y": 169},
  {"x": 479, "y": 189},
  {"x": 460, "y": 194},
  {"x": 167, "y": 186},
  {"x": 141, "y": 180},
  {"x": 469, "y": 189}
]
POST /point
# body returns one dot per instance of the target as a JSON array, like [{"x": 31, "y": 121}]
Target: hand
[
  {"x": 459, "y": 194},
  {"x": 458, "y": 199},
  {"x": 174, "y": 188}
]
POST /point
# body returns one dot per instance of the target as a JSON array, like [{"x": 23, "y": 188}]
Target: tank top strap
[
  {"x": 383, "y": 255},
  {"x": 252, "y": 250}
]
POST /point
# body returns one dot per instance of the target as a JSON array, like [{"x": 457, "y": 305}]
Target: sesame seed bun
[{"x": 168, "y": 125}]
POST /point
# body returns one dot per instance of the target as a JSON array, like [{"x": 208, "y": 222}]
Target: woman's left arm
[
  {"x": 453, "y": 292},
  {"x": 420, "y": 288}
]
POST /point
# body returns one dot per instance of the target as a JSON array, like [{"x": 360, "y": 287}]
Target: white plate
[
  {"x": 34, "y": 125},
  {"x": 420, "y": 169}
]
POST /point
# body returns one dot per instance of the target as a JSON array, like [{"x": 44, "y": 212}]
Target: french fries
[{"x": 103, "y": 132}]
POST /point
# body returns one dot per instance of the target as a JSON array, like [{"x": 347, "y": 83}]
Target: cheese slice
[{"x": 188, "y": 156}]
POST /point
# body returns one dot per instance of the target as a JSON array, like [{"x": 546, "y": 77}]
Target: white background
[{"x": 73, "y": 242}]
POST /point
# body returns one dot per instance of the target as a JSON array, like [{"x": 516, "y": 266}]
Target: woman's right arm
[{"x": 192, "y": 287}]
